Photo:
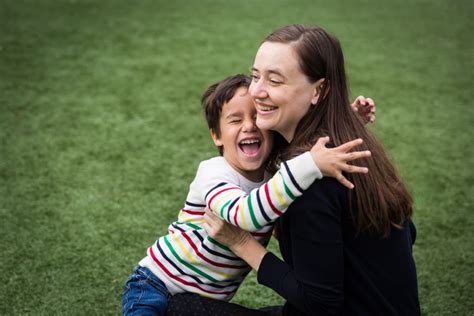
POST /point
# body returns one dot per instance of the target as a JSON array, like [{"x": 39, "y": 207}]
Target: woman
[{"x": 345, "y": 251}]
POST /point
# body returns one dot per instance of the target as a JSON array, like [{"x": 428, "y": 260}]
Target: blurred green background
[{"x": 101, "y": 132}]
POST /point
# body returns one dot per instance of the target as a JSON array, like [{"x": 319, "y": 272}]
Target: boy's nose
[{"x": 249, "y": 125}]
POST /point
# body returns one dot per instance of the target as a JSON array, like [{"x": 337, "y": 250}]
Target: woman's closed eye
[{"x": 275, "y": 82}]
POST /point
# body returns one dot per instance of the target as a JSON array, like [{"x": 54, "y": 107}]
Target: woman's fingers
[
  {"x": 214, "y": 219},
  {"x": 210, "y": 215},
  {"x": 213, "y": 224},
  {"x": 211, "y": 219},
  {"x": 222, "y": 231},
  {"x": 208, "y": 229},
  {"x": 206, "y": 216}
]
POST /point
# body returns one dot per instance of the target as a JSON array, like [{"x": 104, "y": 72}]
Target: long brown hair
[{"x": 383, "y": 200}]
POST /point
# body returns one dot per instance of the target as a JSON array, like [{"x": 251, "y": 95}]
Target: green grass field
[{"x": 101, "y": 132}]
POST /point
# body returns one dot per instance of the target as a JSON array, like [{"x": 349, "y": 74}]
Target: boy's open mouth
[{"x": 250, "y": 146}]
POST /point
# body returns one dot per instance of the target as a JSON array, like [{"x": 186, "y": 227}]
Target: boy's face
[{"x": 246, "y": 148}]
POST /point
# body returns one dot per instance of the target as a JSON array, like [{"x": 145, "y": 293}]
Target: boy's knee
[{"x": 144, "y": 294}]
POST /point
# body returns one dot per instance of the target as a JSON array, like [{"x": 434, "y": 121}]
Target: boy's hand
[
  {"x": 365, "y": 107},
  {"x": 333, "y": 161}
]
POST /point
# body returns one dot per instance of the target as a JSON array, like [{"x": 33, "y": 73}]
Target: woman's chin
[{"x": 265, "y": 123}]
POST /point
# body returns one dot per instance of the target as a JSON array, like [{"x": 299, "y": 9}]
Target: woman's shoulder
[
  {"x": 324, "y": 196},
  {"x": 327, "y": 187}
]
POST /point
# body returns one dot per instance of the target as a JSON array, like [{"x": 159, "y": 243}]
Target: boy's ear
[
  {"x": 318, "y": 85},
  {"x": 215, "y": 138}
]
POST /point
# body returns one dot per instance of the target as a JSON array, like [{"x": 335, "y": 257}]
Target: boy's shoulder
[
  {"x": 213, "y": 171},
  {"x": 215, "y": 166},
  {"x": 217, "y": 160}
]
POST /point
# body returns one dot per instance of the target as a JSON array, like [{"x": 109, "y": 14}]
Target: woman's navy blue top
[{"x": 330, "y": 269}]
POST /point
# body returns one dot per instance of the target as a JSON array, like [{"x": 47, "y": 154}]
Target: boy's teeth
[
  {"x": 249, "y": 141},
  {"x": 250, "y": 146}
]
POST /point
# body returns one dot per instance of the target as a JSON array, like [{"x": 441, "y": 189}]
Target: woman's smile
[{"x": 264, "y": 109}]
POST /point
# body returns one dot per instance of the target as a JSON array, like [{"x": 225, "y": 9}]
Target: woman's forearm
[
  {"x": 239, "y": 241},
  {"x": 250, "y": 250}
]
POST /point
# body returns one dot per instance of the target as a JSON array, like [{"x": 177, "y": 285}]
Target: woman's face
[{"x": 281, "y": 92}]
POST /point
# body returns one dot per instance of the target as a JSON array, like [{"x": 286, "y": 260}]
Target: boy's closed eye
[{"x": 234, "y": 119}]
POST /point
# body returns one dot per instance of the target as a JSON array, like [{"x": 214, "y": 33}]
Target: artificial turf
[{"x": 101, "y": 132}]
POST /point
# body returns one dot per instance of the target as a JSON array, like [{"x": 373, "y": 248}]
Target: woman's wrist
[
  {"x": 239, "y": 246},
  {"x": 249, "y": 250}
]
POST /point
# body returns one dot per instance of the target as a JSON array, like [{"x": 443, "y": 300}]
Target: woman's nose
[{"x": 257, "y": 90}]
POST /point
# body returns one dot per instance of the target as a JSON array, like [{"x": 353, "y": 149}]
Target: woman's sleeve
[
  {"x": 265, "y": 204},
  {"x": 312, "y": 280}
]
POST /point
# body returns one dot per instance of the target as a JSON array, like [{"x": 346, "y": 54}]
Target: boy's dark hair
[{"x": 216, "y": 95}]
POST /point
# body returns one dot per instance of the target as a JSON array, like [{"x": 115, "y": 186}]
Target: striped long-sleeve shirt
[{"x": 188, "y": 260}]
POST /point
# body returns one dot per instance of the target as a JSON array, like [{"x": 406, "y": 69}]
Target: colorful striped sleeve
[{"x": 265, "y": 204}]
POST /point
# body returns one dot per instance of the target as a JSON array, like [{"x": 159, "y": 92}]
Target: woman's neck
[{"x": 288, "y": 135}]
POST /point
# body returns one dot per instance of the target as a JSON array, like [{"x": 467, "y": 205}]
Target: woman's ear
[
  {"x": 215, "y": 138},
  {"x": 318, "y": 87}
]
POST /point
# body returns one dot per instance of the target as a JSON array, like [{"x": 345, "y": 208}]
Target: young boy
[{"x": 234, "y": 187}]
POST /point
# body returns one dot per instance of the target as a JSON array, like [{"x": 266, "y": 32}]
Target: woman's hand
[
  {"x": 333, "y": 161},
  {"x": 365, "y": 107},
  {"x": 224, "y": 232},
  {"x": 239, "y": 241}
]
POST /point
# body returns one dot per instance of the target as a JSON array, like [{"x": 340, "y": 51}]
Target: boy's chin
[{"x": 254, "y": 166}]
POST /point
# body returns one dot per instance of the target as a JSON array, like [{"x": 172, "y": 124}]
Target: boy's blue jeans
[{"x": 144, "y": 294}]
